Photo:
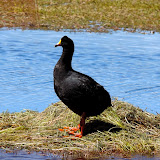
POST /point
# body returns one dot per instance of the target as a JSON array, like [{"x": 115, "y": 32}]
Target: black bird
[{"x": 82, "y": 94}]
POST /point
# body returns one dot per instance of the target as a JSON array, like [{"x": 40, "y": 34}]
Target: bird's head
[{"x": 65, "y": 42}]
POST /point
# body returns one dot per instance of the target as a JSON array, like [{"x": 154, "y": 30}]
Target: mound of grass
[
  {"x": 88, "y": 15},
  {"x": 122, "y": 128}
]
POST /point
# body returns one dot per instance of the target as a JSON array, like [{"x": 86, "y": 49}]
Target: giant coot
[{"x": 82, "y": 94}]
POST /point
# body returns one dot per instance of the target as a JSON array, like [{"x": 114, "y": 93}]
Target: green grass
[
  {"x": 122, "y": 129},
  {"x": 81, "y": 15}
]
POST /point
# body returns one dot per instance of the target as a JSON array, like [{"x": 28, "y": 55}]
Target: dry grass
[
  {"x": 19, "y": 13},
  {"x": 88, "y": 15},
  {"x": 122, "y": 129}
]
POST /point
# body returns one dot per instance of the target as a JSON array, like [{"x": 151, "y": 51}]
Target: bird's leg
[
  {"x": 82, "y": 124},
  {"x": 72, "y": 130}
]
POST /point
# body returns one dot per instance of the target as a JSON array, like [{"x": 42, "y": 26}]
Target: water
[
  {"x": 126, "y": 64},
  {"x": 24, "y": 155}
]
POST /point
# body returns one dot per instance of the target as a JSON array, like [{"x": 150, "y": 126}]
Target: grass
[
  {"x": 81, "y": 15},
  {"x": 122, "y": 129},
  {"x": 18, "y": 13}
]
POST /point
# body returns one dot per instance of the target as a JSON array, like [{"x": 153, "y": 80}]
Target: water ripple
[{"x": 126, "y": 64}]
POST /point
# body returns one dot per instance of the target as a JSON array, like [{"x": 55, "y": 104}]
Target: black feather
[{"x": 78, "y": 91}]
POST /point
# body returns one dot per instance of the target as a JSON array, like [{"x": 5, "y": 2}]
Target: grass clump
[
  {"x": 88, "y": 15},
  {"x": 121, "y": 129}
]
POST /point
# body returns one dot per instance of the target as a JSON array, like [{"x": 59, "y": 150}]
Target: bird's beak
[{"x": 58, "y": 44}]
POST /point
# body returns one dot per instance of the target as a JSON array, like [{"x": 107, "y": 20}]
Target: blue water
[
  {"x": 126, "y": 64},
  {"x": 24, "y": 155}
]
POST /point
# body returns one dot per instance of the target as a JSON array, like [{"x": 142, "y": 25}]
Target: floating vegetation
[
  {"x": 121, "y": 129},
  {"x": 81, "y": 15}
]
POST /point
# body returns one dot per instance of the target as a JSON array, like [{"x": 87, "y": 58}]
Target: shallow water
[
  {"x": 126, "y": 64},
  {"x": 24, "y": 155}
]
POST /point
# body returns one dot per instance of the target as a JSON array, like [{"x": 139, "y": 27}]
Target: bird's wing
[{"x": 82, "y": 85}]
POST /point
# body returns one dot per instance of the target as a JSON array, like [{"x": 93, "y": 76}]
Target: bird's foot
[
  {"x": 72, "y": 130},
  {"x": 75, "y": 129},
  {"x": 75, "y": 134}
]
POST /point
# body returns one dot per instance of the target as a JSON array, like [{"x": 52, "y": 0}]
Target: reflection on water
[{"x": 126, "y": 64}]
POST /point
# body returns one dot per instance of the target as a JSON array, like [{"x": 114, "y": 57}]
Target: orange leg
[
  {"x": 82, "y": 122},
  {"x": 72, "y": 130}
]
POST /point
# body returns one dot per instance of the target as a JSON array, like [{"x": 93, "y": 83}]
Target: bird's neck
[{"x": 66, "y": 59}]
